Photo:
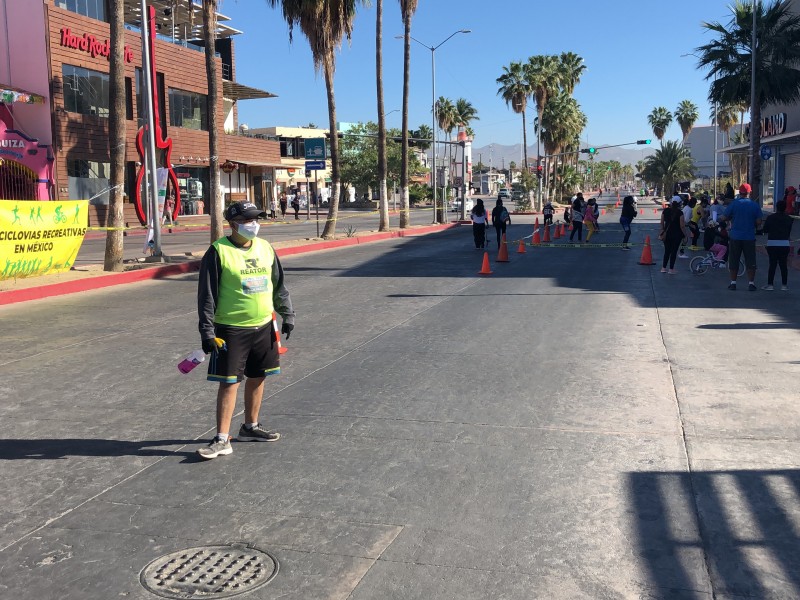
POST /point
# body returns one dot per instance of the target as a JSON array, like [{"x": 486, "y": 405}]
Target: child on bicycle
[{"x": 720, "y": 247}]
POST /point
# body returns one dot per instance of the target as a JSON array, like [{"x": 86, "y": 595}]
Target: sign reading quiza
[{"x": 38, "y": 237}]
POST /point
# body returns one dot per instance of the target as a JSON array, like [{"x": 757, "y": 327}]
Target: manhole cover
[{"x": 209, "y": 572}]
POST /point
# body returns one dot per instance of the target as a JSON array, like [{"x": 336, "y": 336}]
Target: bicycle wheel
[
  {"x": 741, "y": 268},
  {"x": 698, "y": 265}
]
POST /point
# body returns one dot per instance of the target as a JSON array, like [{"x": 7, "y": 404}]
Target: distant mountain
[{"x": 499, "y": 153}]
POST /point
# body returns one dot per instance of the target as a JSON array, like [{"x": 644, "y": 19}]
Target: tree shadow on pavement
[
  {"x": 54, "y": 449},
  {"x": 737, "y": 527}
]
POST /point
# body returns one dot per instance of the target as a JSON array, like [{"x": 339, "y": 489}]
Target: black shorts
[
  {"x": 736, "y": 248},
  {"x": 251, "y": 352}
]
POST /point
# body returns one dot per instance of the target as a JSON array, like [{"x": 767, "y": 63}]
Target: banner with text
[{"x": 39, "y": 237}]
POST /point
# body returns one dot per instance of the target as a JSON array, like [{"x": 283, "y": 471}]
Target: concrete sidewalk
[{"x": 574, "y": 426}]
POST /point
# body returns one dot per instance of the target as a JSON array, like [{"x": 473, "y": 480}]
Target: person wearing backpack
[
  {"x": 626, "y": 218},
  {"x": 500, "y": 219},
  {"x": 577, "y": 219},
  {"x": 548, "y": 212}
]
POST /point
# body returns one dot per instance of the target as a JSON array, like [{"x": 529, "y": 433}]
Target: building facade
[
  {"x": 700, "y": 143},
  {"x": 73, "y": 36}
]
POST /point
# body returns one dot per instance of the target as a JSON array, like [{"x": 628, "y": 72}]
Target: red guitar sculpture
[{"x": 163, "y": 143}]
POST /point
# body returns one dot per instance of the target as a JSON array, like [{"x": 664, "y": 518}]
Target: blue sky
[{"x": 631, "y": 49}]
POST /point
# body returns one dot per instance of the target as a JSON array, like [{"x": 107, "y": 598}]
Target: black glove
[
  {"x": 286, "y": 329},
  {"x": 213, "y": 345}
]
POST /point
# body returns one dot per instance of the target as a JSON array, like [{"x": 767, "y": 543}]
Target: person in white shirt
[{"x": 479, "y": 219}]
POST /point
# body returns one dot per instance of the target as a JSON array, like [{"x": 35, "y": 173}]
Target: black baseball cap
[{"x": 247, "y": 211}]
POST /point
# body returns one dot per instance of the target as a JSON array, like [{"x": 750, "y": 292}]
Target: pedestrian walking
[
  {"x": 673, "y": 232},
  {"x": 548, "y": 211},
  {"x": 284, "y": 204},
  {"x": 790, "y": 196},
  {"x": 479, "y": 218},
  {"x": 500, "y": 219},
  {"x": 273, "y": 209},
  {"x": 577, "y": 218},
  {"x": 296, "y": 206},
  {"x": 590, "y": 218},
  {"x": 693, "y": 223},
  {"x": 778, "y": 227},
  {"x": 629, "y": 213},
  {"x": 745, "y": 216},
  {"x": 241, "y": 285}
]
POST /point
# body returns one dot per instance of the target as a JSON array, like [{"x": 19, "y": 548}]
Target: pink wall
[{"x": 23, "y": 63}]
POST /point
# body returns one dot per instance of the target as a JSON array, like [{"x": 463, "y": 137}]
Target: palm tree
[
  {"x": 725, "y": 117},
  {"x": 515, "y": 90},
  {"x": 729, "y": 57},
  {"x": 562, "y": 122},
  {"x": 209, "y": 37},
  {"x": 383, "y": 199},
  {"x": 445, "y": 116},
  {"x": 659, "y": 120},
  {"x": 544, "y": 77},
  {"x": 572, "y": 68},
  {"x": 407, "y": 9},
  {"x": 423, "y": 132},
  {"x": 116, "y": 133},
  {"x": 686, "y": 115},
  {"x": 670, "y": 163},
  {"x": 324, "y": 24},
  {"x": 465, "y": 112}
]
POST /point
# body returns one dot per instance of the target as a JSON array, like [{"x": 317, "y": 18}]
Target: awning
[
  {"x": 791, "y": 137},
  {"x": 252, "y": 163},
  {"x": 9, "y": 95},
  {"x": 238, "y": 91}
]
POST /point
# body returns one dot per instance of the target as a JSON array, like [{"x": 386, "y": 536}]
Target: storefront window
[
  {"x": 193, "y": 183},
  {"x": 96, "y": 9},
  {"x": 88, "y": 180},
  {"x": 187, "y": 109},
  {"x": 85, "y": 91}
]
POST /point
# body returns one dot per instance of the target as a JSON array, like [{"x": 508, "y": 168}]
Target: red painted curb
[{"x": 95, "y": 283}]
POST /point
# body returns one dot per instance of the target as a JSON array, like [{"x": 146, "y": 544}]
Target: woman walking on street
[
  {"x": 577, "y": 219},
  {"x": 500, "y": 218},
  {"x": 590, "y": 218},
  {"x": 778, "y": 227},
  {"x": 626, "y": 218},
  {"x": 479, "y": 218},
  {"x": 673, "y": 232}
]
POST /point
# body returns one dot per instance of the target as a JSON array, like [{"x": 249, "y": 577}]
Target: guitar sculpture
[{"x": 163, "y": 143}]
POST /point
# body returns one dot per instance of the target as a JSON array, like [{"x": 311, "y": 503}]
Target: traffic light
[
  {"x": 539, "y": 170},
  {"x": 643, "y": 142},
  {"x": 608, "y": 168},
  {"x": 588, "y": 150},
  {"x": 588, "y": 170}
]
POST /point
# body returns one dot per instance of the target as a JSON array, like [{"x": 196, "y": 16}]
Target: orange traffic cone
[
  {"x": 281, "y": 349},
  {"x": 647, "y": 255},
  {"x": 537, "y": 239},
  {"x": 603, "y": 211},
  {"x": 502, "y": 253},
  {"x": 485, "y": 270},
  {"x": 521, "y": 248},
  {"x": 546, "y": 233}
]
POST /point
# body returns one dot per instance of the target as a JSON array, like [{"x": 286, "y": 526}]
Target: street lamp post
[{"x": 433, "y": 109}]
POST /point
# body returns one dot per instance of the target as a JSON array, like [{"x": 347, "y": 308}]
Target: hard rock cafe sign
[{"x": 90, "y": 44}]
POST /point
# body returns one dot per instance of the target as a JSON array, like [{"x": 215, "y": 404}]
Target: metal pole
[
  {"x": 433, "y": 105},
  {"x": 149, "y": 91},
  {"x": 316, "y": 185},
  {"x": 716, "y": 146},
  {"x": 753, "y": 126}
]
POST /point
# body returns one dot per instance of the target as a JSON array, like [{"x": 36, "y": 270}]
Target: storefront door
[{"x": 17, "y": 182}]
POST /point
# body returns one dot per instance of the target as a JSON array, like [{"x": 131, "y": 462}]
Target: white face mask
[{"x": 248, "y": 230}]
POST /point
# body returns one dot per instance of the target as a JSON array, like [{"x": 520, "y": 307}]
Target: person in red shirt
[{"x": 790, "y": 197}]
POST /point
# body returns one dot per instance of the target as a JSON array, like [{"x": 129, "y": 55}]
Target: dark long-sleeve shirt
[
  {"x": 208, "y": 292},
  {"x": 778, "y": 226}
]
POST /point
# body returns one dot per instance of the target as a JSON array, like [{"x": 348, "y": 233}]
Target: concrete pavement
[{"x": 574, "y": 426}]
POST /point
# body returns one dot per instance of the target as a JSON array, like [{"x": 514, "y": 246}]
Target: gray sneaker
[
  {"x": 257, "y": 434},
  {"x": 216, "y": 448}
]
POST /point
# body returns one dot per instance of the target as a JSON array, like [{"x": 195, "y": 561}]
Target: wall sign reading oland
[
  {"x": 90, "y": 44},
  {"x": 37, "y": 238}
]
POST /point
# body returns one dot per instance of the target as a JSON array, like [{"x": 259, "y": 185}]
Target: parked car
[{"x": 504, "y": 194}]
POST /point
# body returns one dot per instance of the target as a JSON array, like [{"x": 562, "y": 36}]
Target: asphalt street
[{"x": 575, "y": 425}]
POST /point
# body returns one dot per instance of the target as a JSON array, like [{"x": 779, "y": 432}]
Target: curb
[{"x": 145, "y": 274}]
